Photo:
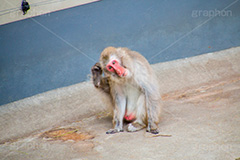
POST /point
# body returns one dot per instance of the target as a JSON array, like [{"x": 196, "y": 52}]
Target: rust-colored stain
[
  {"x": 206, "y": 90},
  {"x": 65, "y": 134}
]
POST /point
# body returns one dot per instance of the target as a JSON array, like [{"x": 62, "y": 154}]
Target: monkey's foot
[
  {"x": 133, "y": 127},
  {"x": 112, "y": 131},
  {"x": 153, "y": 131}
]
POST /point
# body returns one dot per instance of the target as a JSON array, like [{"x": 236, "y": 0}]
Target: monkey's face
[
  {"x": 115, "y": 67},
  {"x": 111, "y": 63}
]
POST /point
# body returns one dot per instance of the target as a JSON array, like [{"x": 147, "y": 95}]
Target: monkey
[{"x": 130, "y": 82}]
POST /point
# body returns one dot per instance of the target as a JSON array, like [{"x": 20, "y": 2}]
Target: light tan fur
[{"x": 136, "y": 93}]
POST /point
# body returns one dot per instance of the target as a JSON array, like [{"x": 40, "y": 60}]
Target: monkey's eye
[
  {"x": 113, "y": 62},
  {"x": 110, "y": 67}
]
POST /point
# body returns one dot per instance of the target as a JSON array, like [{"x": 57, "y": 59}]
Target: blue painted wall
[{"x": 58, "y": 49}]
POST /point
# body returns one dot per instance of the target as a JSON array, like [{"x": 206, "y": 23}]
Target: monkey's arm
[{"x": 99, "y": 81}]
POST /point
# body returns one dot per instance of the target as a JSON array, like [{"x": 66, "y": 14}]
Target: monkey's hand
[{"x": 96, "y": 74}]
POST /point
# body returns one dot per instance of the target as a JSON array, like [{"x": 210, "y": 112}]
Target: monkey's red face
[{"x": 115, "y": 67}]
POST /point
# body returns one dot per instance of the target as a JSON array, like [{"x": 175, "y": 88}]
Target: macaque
[{"x": 127, "y": 77}]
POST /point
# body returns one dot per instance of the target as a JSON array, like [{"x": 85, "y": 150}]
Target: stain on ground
[{"x": 66, "y": 134}]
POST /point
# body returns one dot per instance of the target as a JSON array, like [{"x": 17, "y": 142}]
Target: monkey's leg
[
  {"x": 138, "y": 124},
  {"x": 153, "y": 111},
  {"x": 119, "y": 112}
]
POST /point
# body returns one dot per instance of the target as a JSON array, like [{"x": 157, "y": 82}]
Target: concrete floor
[
  {"x": 203, "y": 125},
  {"x": 200, "y": 120}
]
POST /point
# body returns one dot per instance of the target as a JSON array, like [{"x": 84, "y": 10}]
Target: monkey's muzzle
[{"x": 114, "y": 66}]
